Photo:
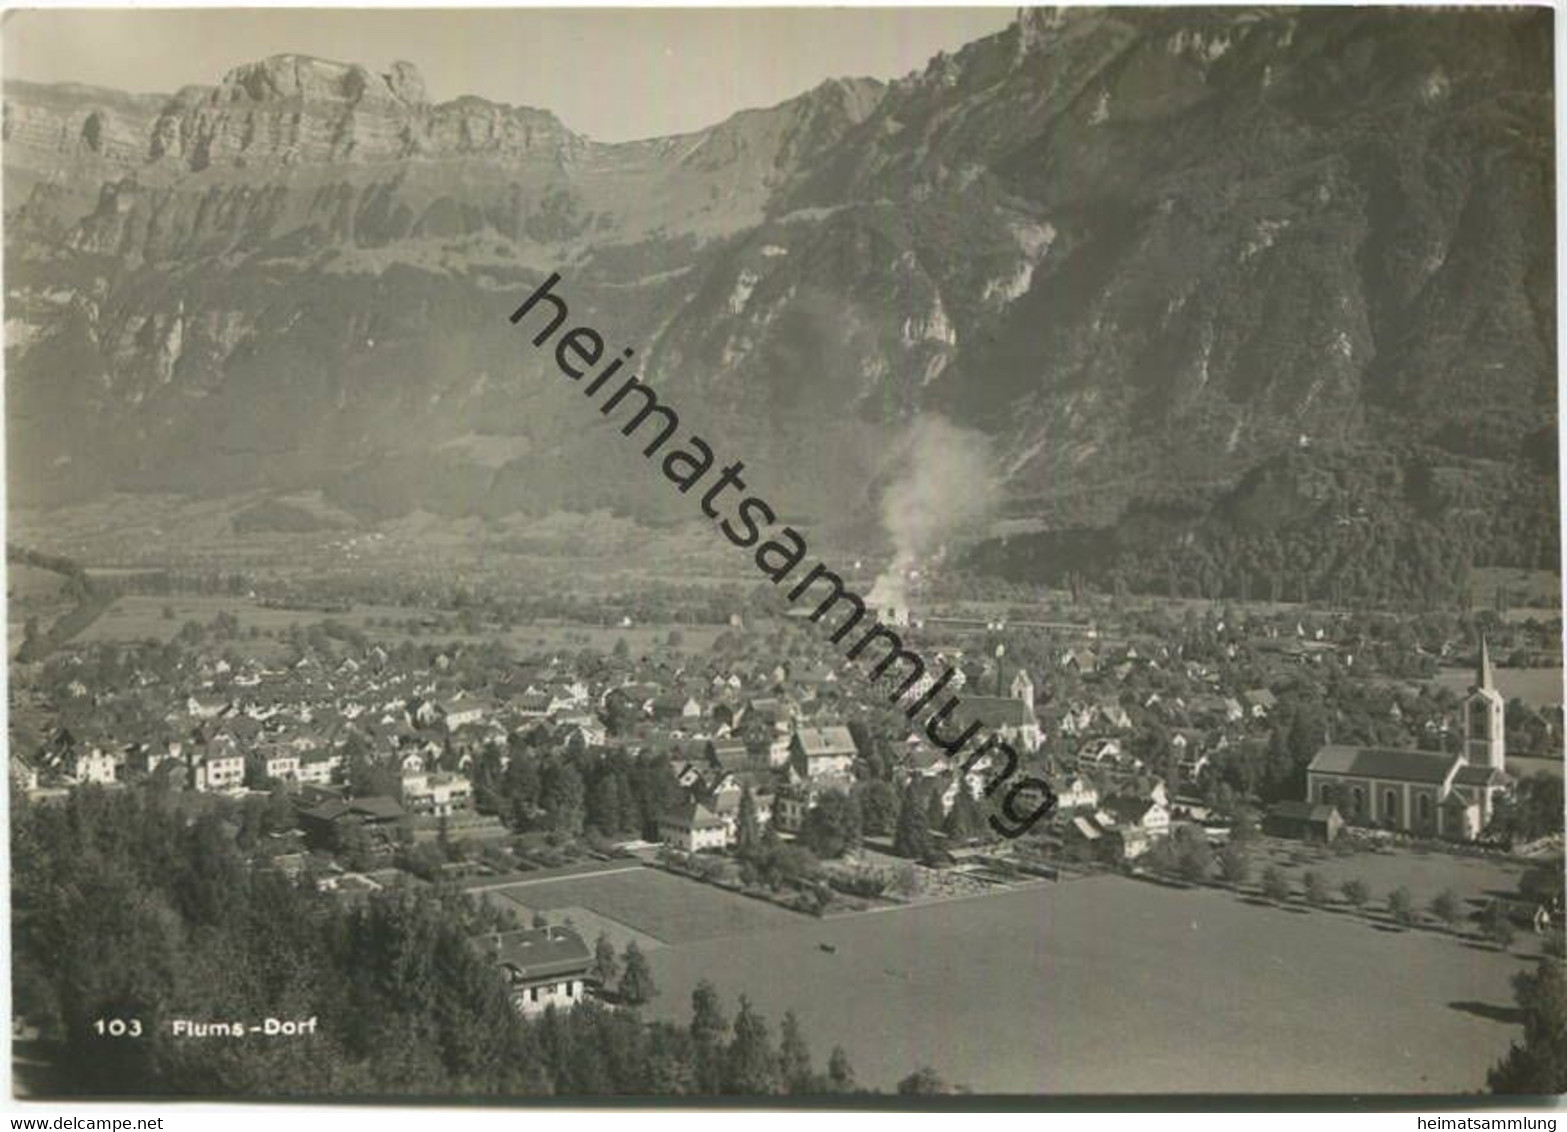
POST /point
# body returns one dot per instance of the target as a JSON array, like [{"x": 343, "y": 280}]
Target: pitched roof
[
  {"x": 1087, "y": 828},
  {"x": 330, "y": 810},
  {"x": 768, "y": 707},
  {"x": 731, "y": 754},
  {"x": 1393, "y": 763},
  {"x": 376, "y": 806},
  {"x": 1479, "y": 776},
  {"x": 1126, "y": 807},
  {"x": 820, "y": 742},
  {"x": 1302, "y": 811},
  {"x": 539, "y": 953},
  {"x": 692, "y": 815}
]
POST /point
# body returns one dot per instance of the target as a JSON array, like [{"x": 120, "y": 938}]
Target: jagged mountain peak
[
  {"x": 309, "y": 78},
  {"x": 1037, "y": 25}
]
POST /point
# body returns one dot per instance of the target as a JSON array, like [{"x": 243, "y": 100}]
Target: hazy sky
[{"x": 612, "y": 74}]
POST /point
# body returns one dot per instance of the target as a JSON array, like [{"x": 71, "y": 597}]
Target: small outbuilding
[{"x": 1303, "y": 821}]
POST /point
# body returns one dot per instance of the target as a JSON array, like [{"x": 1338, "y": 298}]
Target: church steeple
[
  {"x": 1486, "y": 681},
  {"x": 1485, "y": 739}
]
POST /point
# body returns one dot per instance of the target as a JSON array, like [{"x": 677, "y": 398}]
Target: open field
[
  {"x": 671, "y": 909},
  {"x": 1537, "y": 687},
  {"x": 1112, "y": 985},
  {"x": 1096, "y": 985},
  {"x": 1529, "y": 593},
  {"x": 137, "y": 617},
  {"x": 137, "y": 531},
  {"x": 26, "y": 581},
  {"x": 32, "y": 592}
]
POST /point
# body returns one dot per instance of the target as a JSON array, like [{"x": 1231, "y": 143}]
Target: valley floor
[
  {"x": 1109, "y": 985},
  {"x": 1097, "y": 985}
]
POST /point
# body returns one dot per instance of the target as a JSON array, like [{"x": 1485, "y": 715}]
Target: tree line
[{"x": 139, "y": 905}]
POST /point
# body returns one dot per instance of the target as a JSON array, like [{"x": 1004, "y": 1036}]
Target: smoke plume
[{"x": 943, "y": 490}]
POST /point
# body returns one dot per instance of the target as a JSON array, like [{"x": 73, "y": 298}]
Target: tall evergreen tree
[
  {"x": 606, "y": 964},
  {"x": 709, "y": 1028},
  {"x": 832, "y": 827},
  {"x": 965, "y": 821},
  {"x": 911, "y": 837},
  {"x": 794, "y": 1057},
  {"x": 636, "y": 984},
  {"x": 1538, "y": 1066},
  {"x": 750, "y": 1065},
  {"x": 747, "y": 834},
  {"x": 840, "y": 1074}
]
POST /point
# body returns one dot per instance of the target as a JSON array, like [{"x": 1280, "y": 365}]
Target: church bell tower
[{"x": 1484, "y": 718}]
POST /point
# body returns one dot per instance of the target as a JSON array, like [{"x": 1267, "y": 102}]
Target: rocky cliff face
[
  {"x": 284, "y": 111},
  {"x": 1145, "y": 252}
]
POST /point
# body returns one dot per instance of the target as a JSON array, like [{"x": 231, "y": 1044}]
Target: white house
[
  {"x": 1079, "y": 794},
  {"x": 544, "y": 967},
  {"x": 692, "y": 828},
  {"x": 436, "y": 793},
  {"x": 94, "y": 766},
  {"x": 220, "y": 771}
]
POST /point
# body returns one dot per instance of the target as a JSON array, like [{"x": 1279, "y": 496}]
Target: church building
[{"x": 1423, "y": 792}]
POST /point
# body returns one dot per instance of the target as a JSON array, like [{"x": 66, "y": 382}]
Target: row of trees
[
  {"x": 921, "y": 814},
  {"x": 1188, "y": 856}
]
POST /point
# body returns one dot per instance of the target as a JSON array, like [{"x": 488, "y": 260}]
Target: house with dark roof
[
  {"x": 1424, "y": 792},
  {"x": 731, "y": 754},
  {"x": 769, "y": 710},
  {"x": 722, "y": 796},
  {"x": 322, "y": 822},
  {"x": 822, "y": 752},
  {"x": 1303, "y": 821},
  {"x": 1098, "y": 835},
  {"x": 1011, "y": 717},
  {"x": 544, "y": 967},
  {"x": 1130, "y": 811}
]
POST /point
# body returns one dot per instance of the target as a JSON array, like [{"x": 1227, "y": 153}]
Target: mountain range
[{"x": 1196, "y": 276}]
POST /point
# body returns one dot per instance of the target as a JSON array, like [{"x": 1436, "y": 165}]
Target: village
[{"x": 1191, "y": 747}]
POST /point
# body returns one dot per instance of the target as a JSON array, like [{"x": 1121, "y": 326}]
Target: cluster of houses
[
  {"x": 1121, "y": 827},
  {"x": 777, "y": 729},
  {"x": 253, "y": 725},
  {"x": 728, "y": 724},
  {"x": 1450, "y": 794},
  {"x": 787, "y": 759}
]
